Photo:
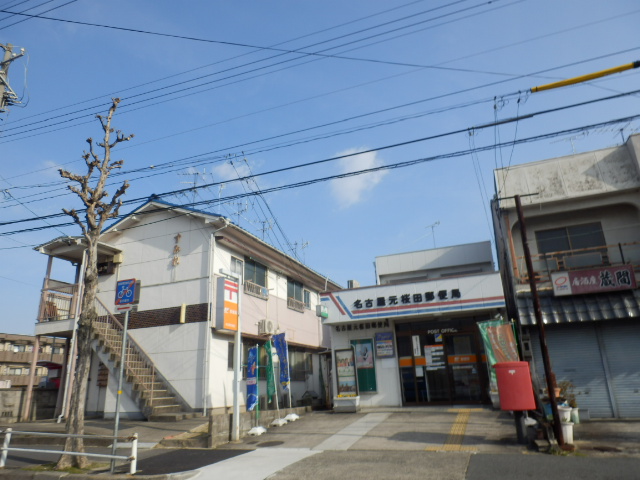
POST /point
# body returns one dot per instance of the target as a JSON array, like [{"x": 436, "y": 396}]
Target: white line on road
[
  {"x": 346, "y": 437},
  {"x": 255, "y": 465}
]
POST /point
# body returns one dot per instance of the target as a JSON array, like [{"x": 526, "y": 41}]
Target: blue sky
[{"x": 209, "y": 102}]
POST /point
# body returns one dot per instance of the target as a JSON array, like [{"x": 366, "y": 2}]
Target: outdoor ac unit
[{"x": 266, "y": 327}]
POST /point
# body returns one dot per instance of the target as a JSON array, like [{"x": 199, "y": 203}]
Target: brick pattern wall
[{"x": 166, "y": 316}]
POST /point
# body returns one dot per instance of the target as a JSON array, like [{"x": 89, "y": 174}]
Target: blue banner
[
  {"x": 283, "y": 354},
  {"x": 252, "y": 379}
]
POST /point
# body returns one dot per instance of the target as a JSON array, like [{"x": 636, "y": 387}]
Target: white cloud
[{"x": 351, "y": 190}]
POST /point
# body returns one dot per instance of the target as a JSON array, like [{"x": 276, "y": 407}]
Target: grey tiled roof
[{"x": 580, "y": 308}]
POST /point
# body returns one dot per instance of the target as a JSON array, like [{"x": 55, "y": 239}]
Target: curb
[{"x": 19, "y": 474}]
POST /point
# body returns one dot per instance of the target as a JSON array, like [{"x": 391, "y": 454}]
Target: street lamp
[{"x": 237, "y": 361}]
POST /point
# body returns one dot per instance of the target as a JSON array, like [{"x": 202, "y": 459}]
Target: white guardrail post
[
  {"x": 133, "y": 466},
  {"x": 5, "y": 447}
]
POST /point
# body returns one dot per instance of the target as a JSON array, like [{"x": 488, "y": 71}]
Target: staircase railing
[{"x": 137, "y": 363}]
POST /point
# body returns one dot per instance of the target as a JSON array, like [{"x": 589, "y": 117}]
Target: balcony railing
[
  {"x": 296, "y": 305},
  {"x": 256, "y": 290},
  {"x": 58, "y": 301},
  {"x": 605, "y": 256}
]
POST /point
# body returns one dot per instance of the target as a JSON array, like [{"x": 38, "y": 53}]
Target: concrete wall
[
  {"x": 43, "y": 404},
  {"x": 178, "y": 352},
  {"x": 433, "y": 263}
]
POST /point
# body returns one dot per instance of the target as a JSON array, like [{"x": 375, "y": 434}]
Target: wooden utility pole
[{"x": 557, "y": 428}]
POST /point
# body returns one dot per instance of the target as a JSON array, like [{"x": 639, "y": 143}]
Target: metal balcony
[
  {"x": 605, "y": 256},
  {"x": 296, "y": 305},
  {"x": 58, "y": 301}
]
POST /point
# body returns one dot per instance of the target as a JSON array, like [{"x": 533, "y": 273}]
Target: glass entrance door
[
  {"x": 440, "y": 368},
  {"x": 462, "y": 361}
]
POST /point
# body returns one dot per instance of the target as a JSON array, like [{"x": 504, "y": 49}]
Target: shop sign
[
  {"x": 362, "y": 326},
  {"x": 384, "y": 345},
  {"x": 594, "y": 280},
  {"x": 434, "y": 355},
  {"x": 227, "y": 305},
  {"x": 408, "y": 299}
]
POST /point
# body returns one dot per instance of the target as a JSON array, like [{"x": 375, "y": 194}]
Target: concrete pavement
[{"x": 397, "y": 442}]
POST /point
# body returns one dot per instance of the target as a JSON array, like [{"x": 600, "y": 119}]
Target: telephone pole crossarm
[{"x": 7, "y": 95}]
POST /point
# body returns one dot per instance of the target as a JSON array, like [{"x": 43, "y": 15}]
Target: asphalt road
[{"x": 442, "y": 444}]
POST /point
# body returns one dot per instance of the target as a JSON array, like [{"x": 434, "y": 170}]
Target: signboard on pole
[
  {"x": 126, "y": 294},
  {"x": 227, "y": 302}
]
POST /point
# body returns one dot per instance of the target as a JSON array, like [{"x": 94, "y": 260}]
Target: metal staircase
[{"x": 144, "y": 383}]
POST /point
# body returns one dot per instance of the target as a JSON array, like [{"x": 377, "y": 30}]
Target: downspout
[{"x": 207, "y": 353}]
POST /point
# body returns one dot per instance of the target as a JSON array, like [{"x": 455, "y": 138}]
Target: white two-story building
[{"x": 188, "y": 264}]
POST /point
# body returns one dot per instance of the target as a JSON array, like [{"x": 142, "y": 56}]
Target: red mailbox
[{"x": 514, "y": 386}]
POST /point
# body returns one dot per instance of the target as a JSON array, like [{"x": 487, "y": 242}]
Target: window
[
  {"x": 18, "y": 371},
  {"x": 18, "y": 348},
  {"x": 57, "y": 350},
  {"x": 300, "y": 364},
  {"x": 575, "y": 237},
  {"x": 255, "y": 272},
  {"x": 230, "y": 356},
  {"x": 294, "y": 289},
  {"x": 236, "y": 266},
  {"x": 294, "y": 295},
  {"x": 307, "y": 299}
]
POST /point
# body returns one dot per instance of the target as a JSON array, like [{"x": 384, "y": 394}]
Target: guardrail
[{"x": 133, "y": 458}]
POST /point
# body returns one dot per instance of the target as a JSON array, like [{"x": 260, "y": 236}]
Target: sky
[{"x": 214, "y": 91}]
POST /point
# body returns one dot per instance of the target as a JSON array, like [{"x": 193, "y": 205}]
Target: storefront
[{"x": 413, "y": 343}]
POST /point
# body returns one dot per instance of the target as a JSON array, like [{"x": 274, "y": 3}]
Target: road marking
[
  {"x": 456, "y": 433},
  {"x": 255, "y": 465},
  {"x": 346, "y": 437}
]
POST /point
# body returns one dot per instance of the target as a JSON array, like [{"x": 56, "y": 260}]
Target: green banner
[
  {"x": 271, "y": 384},
  {"x": 499, "y": 345}
]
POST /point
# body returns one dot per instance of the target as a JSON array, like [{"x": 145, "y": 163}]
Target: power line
[
  {"x": 182, "y": 88},
  {"x": 365, "y": 171},
  {"x": 318, "y": 162}
]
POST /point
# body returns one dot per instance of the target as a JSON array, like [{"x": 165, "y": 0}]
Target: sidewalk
[{"x": 440, "y": 430}]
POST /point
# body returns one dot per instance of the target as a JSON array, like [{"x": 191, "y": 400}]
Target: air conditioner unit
[{"x": 266, "y": 327}]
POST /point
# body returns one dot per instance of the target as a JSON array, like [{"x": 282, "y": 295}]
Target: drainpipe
[{"x": 207, "y": 353}]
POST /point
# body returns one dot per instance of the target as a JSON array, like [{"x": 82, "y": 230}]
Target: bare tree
[{"x": 97, "y": 212}]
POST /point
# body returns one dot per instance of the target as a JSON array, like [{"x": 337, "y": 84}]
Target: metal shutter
[
  {"x": 575, "y": 356},
  {"x": 622, "y": 344}
]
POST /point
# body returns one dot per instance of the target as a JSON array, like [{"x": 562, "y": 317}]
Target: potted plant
[{"x": 567, "y": 393}]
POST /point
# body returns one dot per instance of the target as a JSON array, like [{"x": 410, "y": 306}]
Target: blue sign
[{"x": 126, "y": 292}]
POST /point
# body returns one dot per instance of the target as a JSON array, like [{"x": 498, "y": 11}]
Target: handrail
[
  {"x": 611, "y": 255},
  {"x": 133, "y": 348},
  {"x": 133, "y": 458}
]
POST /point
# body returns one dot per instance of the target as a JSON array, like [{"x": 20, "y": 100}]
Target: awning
[{"x": 580, "y": 308}]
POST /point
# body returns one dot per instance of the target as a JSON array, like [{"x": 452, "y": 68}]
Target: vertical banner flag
[
  {"x": 271, "y": 384},
  {"x": 499, "y": 346},
  {"x": 252, "y": 379},
  {"x": 283, "y": 354}
]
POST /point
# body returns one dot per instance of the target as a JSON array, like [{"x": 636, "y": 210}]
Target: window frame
[{"x": 253, "y": 264}]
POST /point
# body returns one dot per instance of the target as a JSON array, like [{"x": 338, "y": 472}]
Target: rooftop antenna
[{"x": 433, "y": 233}]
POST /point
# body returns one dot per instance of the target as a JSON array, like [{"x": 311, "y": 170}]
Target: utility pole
[
  {"x": 7, "y": 95},
  {"x": 557, "y": 428}
]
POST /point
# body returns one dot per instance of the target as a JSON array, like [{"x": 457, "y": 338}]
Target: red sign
[{"x": 595, "y": 280}]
